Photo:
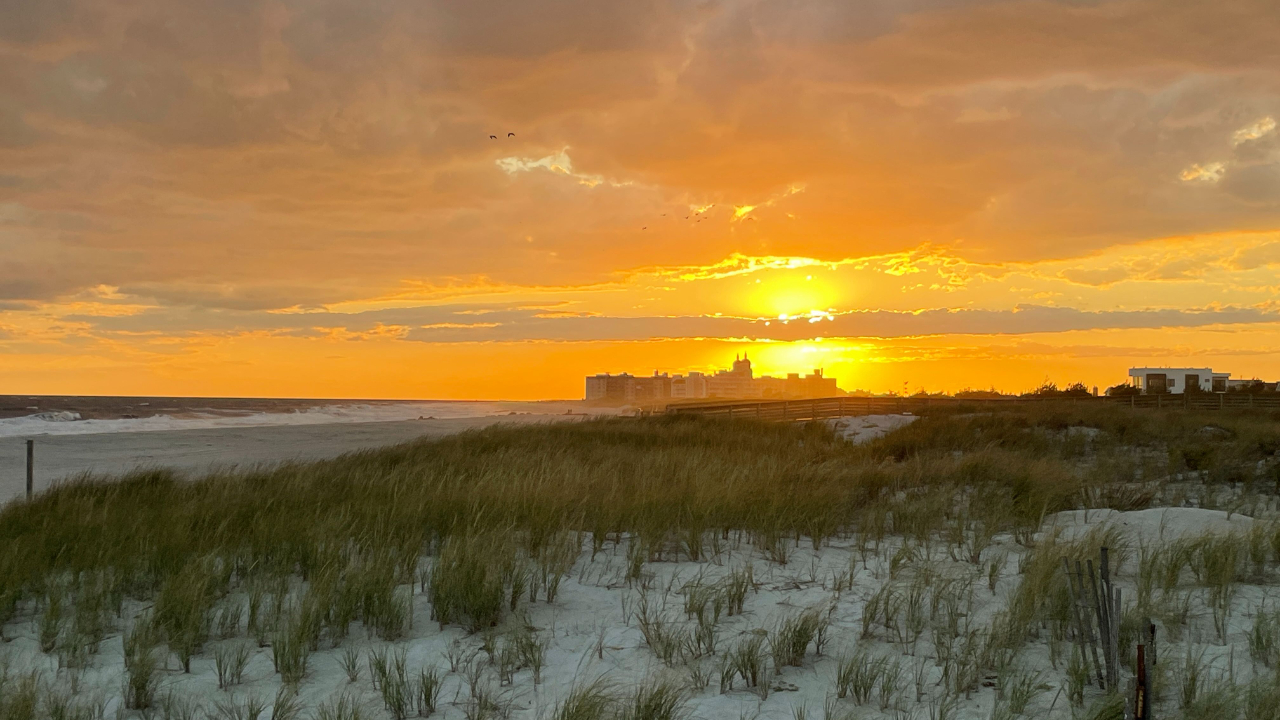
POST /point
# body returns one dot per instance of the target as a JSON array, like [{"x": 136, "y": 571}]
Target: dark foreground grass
[
  {"x": 658, "y": 478},
  {"x": 356, "y": 528}
]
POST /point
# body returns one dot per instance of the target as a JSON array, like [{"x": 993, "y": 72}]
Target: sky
[{"x": 446, "y": 199}]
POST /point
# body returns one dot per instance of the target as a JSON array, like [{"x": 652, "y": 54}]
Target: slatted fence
[{"x": 820, "y": 408}]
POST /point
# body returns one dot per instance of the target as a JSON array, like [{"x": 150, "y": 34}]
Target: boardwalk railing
[{"x": 819, "y": 408}]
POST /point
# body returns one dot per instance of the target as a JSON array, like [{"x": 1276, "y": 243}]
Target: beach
[
  {"x": 196, "y": 451},
  {"x": 399, "y": 586}
]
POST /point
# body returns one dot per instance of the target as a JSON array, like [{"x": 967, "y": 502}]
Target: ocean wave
[{"x": 69, "y": 423}]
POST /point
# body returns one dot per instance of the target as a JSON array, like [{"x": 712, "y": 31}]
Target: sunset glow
[{"x": 413, "y": 199}]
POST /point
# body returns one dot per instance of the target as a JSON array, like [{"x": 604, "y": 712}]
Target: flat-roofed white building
[{"x": 1176, "y": 380}]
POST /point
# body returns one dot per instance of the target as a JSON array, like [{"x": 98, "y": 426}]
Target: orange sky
[{"x": 302, "y": 198}]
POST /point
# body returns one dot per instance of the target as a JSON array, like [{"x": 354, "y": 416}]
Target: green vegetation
[{"x": 487, "y": 524}]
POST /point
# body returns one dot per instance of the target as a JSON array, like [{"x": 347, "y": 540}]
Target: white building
[
  {"x": 1177, "y": 380},
  {"x": 691, "y": 387}
]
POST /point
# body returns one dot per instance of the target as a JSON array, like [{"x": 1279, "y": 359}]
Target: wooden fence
[{"x": 819, "y": 408}]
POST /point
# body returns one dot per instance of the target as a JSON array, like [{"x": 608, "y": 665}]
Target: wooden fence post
[
  {"x": 1104, "y": 627},
  {"x": 1112, "y": 621},
  {"x": 1082, "y": 636},
  {"x": 31, "y": 465},
  {"x": 1139, "y": 701}
]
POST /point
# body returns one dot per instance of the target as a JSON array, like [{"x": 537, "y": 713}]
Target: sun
[
  {"x": 789, "y": 294},
  {"x": 841, "y": 360}
]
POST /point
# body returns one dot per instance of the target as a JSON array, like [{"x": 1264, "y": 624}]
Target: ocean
[{"x": 28, "y": 416}]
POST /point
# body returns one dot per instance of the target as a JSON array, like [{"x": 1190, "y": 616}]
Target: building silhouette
[{"x": 738, "y": 382}]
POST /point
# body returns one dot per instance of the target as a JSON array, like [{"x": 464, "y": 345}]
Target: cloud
[
  {"x": 1256, "y": 184},
  {"x": 1098, "y": 277},
  {"x": 499, "y": 323},
  {"x": 1022, "y": 320},
  {"x": 1207, "y": 173},
  {"x": 558, "y": 163},
  {"x": 253, "y": 166},
  {"x": 1253, "y": 131}
]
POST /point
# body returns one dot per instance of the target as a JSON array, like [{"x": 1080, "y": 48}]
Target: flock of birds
[
  {"x": 495, "y": 137},
  {"x": 696, "y": 215}
]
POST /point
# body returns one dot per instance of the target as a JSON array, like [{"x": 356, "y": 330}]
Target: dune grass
[
  {"x": 298, "y": 555},
  {"x": 502, "y": 511}
]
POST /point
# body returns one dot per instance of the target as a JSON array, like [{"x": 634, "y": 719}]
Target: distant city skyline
[{"x": 738, "y": 381}]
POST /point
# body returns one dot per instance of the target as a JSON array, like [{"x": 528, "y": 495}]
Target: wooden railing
[{"x": 820, "y": 408}]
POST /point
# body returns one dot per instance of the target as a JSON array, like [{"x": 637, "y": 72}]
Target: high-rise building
[
  {"x": 628, "y": 388},
  {"x": 734, "y": 383},
  {"x": 739, "y": 381},
  {"x": 691, "y": 386}
]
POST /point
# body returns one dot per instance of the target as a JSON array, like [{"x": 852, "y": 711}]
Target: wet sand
[{"x": 197, "y": 451}]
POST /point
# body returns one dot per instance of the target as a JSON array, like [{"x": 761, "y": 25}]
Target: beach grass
[{"x": 484, "y": 525}]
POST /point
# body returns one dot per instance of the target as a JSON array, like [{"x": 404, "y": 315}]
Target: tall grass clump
[
  {"x": 1264, "y": 638},
  {"x": 790, "y": 639},
  {"x": 857, "y": 676},
  {"x": 19, "y": 696},
  {"x": 594, "y": 701},
  {"x": 1042, "y": 594},
  {"x": 229, "y": 662},
  {"x": 183, "y": 606},
  {"x": 141, "y": 665},
  {"x": 470, "y": 580},
  {"x": 656, "y": 699},
  {"x": 341, "y": 706},
  {"x": 291, "y": 650},
  {"x": 747, "y": 660}
]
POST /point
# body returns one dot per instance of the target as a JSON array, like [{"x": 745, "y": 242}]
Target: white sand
[
  {"x": 1153, "y": 524},
  {"x": 198, "y": 451},
  {"x": 859, "y": 429},
  {"x": 597, "y": 608}
]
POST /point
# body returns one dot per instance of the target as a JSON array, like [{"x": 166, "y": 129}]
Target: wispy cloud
[
  {"x": 558, "y": 163},
  {"x": 1207, "y": 173},
  {"x": 1253, "y": 131},
  {"x": 743, "y": 211}
]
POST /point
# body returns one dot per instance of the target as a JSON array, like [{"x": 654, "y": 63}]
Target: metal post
[{"x": 31, "y": 464}]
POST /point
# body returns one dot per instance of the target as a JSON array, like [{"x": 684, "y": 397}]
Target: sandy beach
[{"x": 197, "y": 451}]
